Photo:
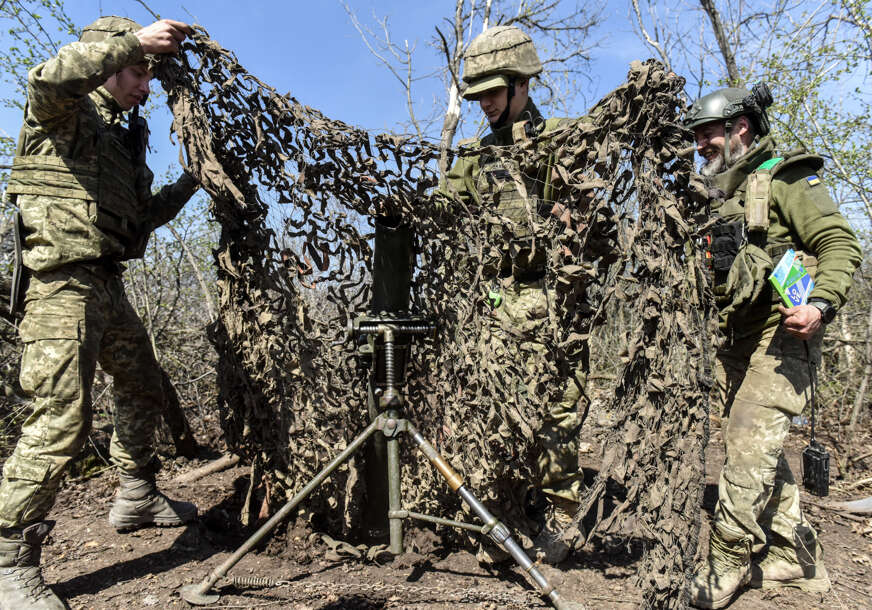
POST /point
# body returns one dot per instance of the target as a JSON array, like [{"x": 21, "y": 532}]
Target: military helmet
[
  {"x": 494, "y": 56},
  {"x": 105, "y": 27},
  {"x": 732, "y": 102}
]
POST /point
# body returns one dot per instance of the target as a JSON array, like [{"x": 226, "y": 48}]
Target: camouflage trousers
[
  {"x": 763, "y": 381},
  {"x": 516, "y": 325},
  {"x": 76, "y": 316}
]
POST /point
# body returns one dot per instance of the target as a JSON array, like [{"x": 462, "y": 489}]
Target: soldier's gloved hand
[
  {"x": 163, "y": 36},
  {"x": 802, "y": 321}
]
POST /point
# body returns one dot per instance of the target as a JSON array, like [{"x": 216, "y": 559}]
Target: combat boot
[
  {"x": 559, "y": 532},
  {"x": 726, "y": 570},
  {"x": 801, "y": 567},
  {"x": 21, "y": 583},
  {"x": 139, "y": 503},
  {"x": 490, "y": 554}
]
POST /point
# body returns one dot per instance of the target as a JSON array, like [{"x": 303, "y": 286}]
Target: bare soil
[{"x": 92, "y": 566}]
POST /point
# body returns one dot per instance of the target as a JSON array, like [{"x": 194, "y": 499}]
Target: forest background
[{"x": 392, "y": 66}]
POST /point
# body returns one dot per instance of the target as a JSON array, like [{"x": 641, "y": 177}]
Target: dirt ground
[{"x": 92, "y": 566}]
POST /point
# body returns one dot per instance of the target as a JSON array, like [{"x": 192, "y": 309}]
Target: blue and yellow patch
[{"x": 813, "y": 180}]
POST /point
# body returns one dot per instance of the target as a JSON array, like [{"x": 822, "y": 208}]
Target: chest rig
[
  {"x": 745, "y": 215},
  {"x": 516, "y": 196},
  {"x": 102, "y": 174}
]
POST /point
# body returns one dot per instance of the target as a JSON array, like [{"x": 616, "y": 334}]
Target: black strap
[
  {"x": 812, "y": 383},
  {"x": 509, "y": 95}
]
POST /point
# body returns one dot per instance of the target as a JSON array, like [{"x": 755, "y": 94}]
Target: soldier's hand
[
  {"x": 802, "y": 321},
  {"x": 163, "y": 36}
]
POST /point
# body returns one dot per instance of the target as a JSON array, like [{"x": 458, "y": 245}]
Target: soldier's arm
[
  {"x": 56, "y": 86},
  {"x": 457, "y": 188},
  {"x": 808, "y": 208},
  {"x": 163, "y": 206}
]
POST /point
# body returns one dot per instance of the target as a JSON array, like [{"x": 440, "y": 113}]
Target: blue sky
[{"x": 311, "y": 50}]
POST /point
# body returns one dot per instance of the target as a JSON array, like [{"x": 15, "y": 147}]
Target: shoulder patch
[{"x": 813, "y": 180}]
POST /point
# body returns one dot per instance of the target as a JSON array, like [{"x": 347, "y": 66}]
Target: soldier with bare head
[{"x": 83, "y": 189}]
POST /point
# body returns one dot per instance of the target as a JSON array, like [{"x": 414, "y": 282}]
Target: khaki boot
[
  {"x": 726, "y": 570},
  {"x": 801, "y": 567},
  {"x": 139, "y": 503},
  {"x": 490, "y": 554},
  {"x": 559, "y": 532},
  {"x": 21, "y": 583}
]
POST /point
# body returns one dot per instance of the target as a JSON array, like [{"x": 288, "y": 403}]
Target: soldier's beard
[{"x": 716, "y": 165}]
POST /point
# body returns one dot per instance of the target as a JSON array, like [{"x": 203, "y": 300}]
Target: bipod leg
[
  {"x": 497, "y": 531},
  {"x": 198, "y": 594}
]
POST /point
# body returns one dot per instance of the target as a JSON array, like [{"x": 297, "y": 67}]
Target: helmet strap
[
  {"x": 510, "y": 93},
  {"x": 728, "y": 132}
]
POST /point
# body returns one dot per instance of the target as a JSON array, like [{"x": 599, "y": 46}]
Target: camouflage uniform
[
  {"x": 86, "y": 203},
  {"x": 763, "y": 373},
  {"x": 515, "y": 275}
]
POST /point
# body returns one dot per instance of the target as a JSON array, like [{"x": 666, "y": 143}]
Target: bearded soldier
[
  {"x": 770, "y": 204},
  {"x": 497, "y": 69},
  {"x": 83, "y": 189}
]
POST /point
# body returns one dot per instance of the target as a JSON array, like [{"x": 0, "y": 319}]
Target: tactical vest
[
  {"x": 517, "y": 196},
  {"x": 105, "y": 179},
  {"x": 743, "y": 253}
]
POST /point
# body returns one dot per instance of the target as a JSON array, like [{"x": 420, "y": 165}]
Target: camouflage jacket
[
  {"x": 802, "y": 215},
  {"x": 82, "y": 191},
  {"x": 486, "y": 178}
]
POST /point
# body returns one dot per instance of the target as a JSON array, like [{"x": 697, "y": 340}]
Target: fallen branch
[
  {"x": 859, "y": 483},
  {"x": 862, "y": 506},
  {"x": 222, "y": 463},
  {"x": 827, "y": 506},
  {"x": 859, "y": 458}
]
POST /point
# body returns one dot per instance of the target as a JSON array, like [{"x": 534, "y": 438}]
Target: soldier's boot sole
[
  {"x": 810, "y": 585},
  {"x": 782, "y": 573},
  {"x": 818, "y": 584},
  {"x": 127, "y": 515}
]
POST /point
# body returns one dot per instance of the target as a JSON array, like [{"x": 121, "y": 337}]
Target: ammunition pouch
[
  {"x": 725, "y": 241},
  {"x": 746, "y": 281}
]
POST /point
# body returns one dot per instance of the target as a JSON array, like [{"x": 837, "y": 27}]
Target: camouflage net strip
[{"x": 295, "y": 192}]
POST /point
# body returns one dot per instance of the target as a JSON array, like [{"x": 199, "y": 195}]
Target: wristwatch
[{"x": 828, "y": 312}]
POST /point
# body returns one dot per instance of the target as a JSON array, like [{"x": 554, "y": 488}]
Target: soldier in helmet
[
  {"x": 498, "y": 66},
  {"x": 83, "y": 189},
  {"x": 770, "y": 204}
]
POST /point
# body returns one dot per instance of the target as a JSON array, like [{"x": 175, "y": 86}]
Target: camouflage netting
[{"x": 295, "y": 192}]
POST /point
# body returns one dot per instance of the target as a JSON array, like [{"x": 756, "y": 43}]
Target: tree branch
[
  {"x": 720, "y": 35},
  {"x": 648, "y": 40}
]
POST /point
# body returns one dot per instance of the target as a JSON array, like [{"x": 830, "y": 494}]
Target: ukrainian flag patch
[{"x": 813, "y": 180}]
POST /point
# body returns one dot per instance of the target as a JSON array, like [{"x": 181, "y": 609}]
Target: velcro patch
[{"x": 813, "y": 180}]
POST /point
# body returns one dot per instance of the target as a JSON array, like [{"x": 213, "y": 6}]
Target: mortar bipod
[{"x": 391, "y": 423}]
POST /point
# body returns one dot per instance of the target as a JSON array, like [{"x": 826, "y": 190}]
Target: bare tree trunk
[
  {"x": 848, "y": 351},
  {"x": 718, "y": 26},
  {"x": 859, "y": 399},
  {"x": 452, "y": 113}
]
